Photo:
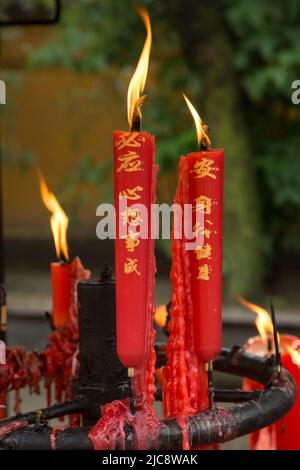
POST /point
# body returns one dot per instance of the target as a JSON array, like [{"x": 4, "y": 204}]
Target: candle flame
[
  {"x": 138, "y": 80},
  {"x": 58, "y": 220},
  {"x": 295, "y": 355},
  {"x": 161, "y": 315},
  {"x": 263, "y": 320},
  {"x": 201, "y": 134}
]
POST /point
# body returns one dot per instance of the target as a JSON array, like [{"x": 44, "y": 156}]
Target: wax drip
[
  {"x": 13, "y": 426},
  {"x": 54, "y": 431},
  {"x": 185, "y": 389}
]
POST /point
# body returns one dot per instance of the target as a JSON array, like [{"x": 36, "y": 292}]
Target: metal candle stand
[{"x": 102, "y": 378}]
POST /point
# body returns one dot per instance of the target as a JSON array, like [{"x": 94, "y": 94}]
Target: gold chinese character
[
  {"x": 127, "y": 139},
  {"x": 130, "y": 266},
  {"x": 205, "y": 232},
  {"x": 203, "y": 274},
  {"x": 204, "y": 168},
  {"x": 130, "y": 162},
  {"x": 131, "y": 217},
  {"x": 132, "y": 194},
  {"x": 204, "y": 252},
  {"x": 131, "y": 241},
  {"x": 204, "y": 204}
]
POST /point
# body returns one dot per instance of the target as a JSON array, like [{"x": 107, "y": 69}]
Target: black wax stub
[{"x": 102, "y": 377}]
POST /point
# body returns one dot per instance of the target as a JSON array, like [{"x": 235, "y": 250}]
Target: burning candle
[
  {"x": 205, "y": 182},
  {"x": 284, "y": 434},
  {"x": 135, "y": 190},
  {"x": 64, "y": 275},
  {"x": 287, "y": 431}
]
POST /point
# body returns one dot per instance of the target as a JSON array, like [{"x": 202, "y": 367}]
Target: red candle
[
  {"x": 2, "y": 396},
  {"x": 205, "y": 181},
  {"x": 288, "y": 436},
  {"x": 64, "y": 275},
  {"x": 284, "y": 434},
  {"x": 273, "y": 437},
  {"x": 61, "y": 294},
  {"x": 135, "y": 190}
]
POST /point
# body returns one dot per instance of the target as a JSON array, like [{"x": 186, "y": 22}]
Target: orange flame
[
  {"x": 161, "y": 315},
  {"x": 58, "y": 220},
  {"x": 295, "y": 355},
  {"x": 263, "y": 320},
  {"x": 201, "y": 134},
  {"x": 138, "y": 80}
]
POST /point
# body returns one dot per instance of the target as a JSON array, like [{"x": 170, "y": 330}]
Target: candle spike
[
  {"x": 276, "y": 344},
  {"x": 211, "y": 388}
]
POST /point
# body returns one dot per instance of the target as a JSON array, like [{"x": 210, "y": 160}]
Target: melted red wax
[
  {"x": 53, "y": 433},
  {"x": 185, "y": 389},
  {"x": 59, "y": 357},
  {"x": 77, "y": 273},
  {"x": 57, "y": 363},
  {"x": 2, "y": 406},
  {"x": 111, "y": 426}
]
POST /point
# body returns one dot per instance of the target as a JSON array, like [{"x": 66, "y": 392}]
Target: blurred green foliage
[
  {"x": 264, "y": 36},
  {"x": 267, "y": 38}
]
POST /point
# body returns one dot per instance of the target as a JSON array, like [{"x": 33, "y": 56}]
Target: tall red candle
[
  {"x": 206, "y": 183},
  {"x": 205, "y": 174},
  {"x": 133, "y": 184},
  {"x": 135, "y": 190}
]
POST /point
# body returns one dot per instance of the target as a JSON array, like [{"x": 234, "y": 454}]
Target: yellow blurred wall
[{"x": 57, "y": 116}]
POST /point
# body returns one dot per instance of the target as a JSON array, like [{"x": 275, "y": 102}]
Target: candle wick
[
  {"x": 137, "y": 115},
  {"x": 204, "y": 143},
  {"x": 62, "y": 259}
]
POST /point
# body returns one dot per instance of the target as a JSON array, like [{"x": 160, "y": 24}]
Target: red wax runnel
[
  {"x": 185, "y": 389},
  {"x": 135, "y": 180}
]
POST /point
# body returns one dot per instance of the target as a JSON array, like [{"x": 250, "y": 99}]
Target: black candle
[{"x": 102, "y": 377}]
